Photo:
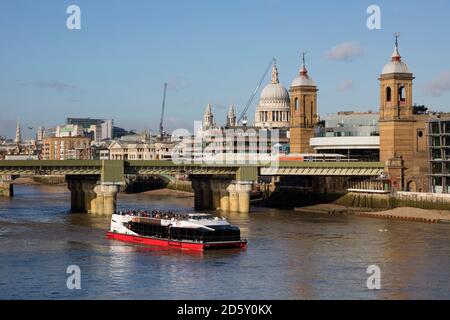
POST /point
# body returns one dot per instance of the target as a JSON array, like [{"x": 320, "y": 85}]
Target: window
[
  {"x": 436, "y": 168},
  {"x": 388, "y": 94},
  {"x": 436, "y": 142},
  {"x": 436, "y": 154},
  {"x": 401, "y": 93},
  {"x": 296, "y": 104}
]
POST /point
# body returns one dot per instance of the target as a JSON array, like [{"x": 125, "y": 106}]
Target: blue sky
[{"x": 208, "y": 51}]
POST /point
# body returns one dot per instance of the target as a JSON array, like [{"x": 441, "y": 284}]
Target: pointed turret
[
  {"x": 396, "y": 54},
  {"x": 208, "y": 117},
  {"x": 231, "y": 118},
  {"x": 303, "y": 70}
]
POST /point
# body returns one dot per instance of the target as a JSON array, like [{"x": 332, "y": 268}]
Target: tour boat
[{"x": 194, "y": 231}]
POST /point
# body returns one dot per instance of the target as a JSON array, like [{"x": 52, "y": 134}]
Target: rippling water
[{"x": 290, "y": 255}]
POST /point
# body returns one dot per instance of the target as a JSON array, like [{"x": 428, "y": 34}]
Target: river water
[{"x": 289, "y": 256}]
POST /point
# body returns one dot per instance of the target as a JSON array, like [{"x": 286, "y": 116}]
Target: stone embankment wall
[
  {"x": 399, "y": 199},
  {"x": 49, "y": 179},
  {"x": 180, "y": 185}
]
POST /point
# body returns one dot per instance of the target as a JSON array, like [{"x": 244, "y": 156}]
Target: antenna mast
[{"x": 244, "y": 112}]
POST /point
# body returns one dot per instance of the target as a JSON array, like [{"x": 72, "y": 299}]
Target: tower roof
[
  {"x": 303, "y": 79},
  {"x": 396, "y": 65}
]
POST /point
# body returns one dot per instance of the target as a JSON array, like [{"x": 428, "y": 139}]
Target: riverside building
[{"x": 355, "y": 135}]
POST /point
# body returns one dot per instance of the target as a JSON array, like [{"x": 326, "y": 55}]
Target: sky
[{"x": 208, "y": 52}]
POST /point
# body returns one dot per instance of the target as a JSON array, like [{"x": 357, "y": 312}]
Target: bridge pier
[
  {"x": 233, "y": 198},
  {"x": 219, "y": 194},
  {"x": 90, "y": 196},
  {"x": 206, "y": 195},
  {"x": 6, "y": 186},
  {"x": 198, "y": 193},
  {"x": 243, "y": 188},
  {"x": 224, "y": 200},
  {"x": 215, "y": 190},
  {"x": 105, "y": 202}
]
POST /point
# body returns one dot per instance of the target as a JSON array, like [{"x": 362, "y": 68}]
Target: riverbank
[
  {"x": 39, "y": 180},
  {"x": 402, "y": 213},
  {"x": 168, "y": 192}
]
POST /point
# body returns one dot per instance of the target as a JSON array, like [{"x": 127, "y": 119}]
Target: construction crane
[
  {"x": 161, "y": 123},
  {"x": 247, "y": 106}
]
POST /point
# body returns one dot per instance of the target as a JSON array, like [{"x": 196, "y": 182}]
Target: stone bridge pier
[
  {"x": 89, "y": 195},
  {"x": 221, "y": 194},
  {"x": 6, "y": 186}
]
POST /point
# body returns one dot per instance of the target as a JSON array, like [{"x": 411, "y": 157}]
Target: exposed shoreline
[
  {"x": 28, "y": 181},
  {"x": 403, "y": 213},
  {"x": 168, "y": 192}
]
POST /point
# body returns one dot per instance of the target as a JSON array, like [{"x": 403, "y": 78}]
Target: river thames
[{"x": 289, "y": 255}]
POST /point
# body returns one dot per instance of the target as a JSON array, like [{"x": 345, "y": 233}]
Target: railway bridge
[{"x": 94, "y": 184}]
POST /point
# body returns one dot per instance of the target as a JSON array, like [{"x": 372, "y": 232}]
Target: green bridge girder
[{"x": 114, "y": 171}]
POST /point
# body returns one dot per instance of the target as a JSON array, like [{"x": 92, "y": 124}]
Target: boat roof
[{"x": 199, "y": 215}]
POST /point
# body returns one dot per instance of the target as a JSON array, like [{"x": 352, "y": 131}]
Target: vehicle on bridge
[
  {"x": 186, "y": 231},
  {"x": 314, "y": 157}
]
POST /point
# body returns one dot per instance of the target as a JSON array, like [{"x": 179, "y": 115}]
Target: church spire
[
  {"x": 303, "y": 70},
  {"x": 396, "y": 54},
  {"x": 208, "y": 117},
  {"x": 231, "y": 118},
  {"x": 275, "y": 73}
]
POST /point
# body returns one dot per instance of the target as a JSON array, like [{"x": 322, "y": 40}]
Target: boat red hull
[{"x": 175, "y": 244}]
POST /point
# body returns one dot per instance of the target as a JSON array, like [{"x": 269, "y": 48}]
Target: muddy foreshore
[{"x": 403, "y": 213}]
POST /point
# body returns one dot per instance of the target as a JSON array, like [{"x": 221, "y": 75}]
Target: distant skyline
[{"x": 208, "y": 52}]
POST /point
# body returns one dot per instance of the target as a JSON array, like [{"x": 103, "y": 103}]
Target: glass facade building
[
  {"x": 439, "y": 155},
  {"x": 355, "y": 135}
]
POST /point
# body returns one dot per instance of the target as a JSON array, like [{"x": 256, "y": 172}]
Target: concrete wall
[{"x": 400, "y": 199}]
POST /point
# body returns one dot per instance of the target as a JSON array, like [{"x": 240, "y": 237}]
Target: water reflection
[{"x": 289, "y": 256}]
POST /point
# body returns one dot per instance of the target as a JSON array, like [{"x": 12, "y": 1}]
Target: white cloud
[
  {"x": 52, "y": 84},
  {"x": 178, "y": 83},
  {"x": 347, "y": 51},
  {"x": 440, "y": 85},
  {"x": 57, "y": 85},
  {"x": 346, "y": 85}
]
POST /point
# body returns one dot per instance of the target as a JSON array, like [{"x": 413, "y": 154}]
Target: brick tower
[{"x": 303, "y": 105}]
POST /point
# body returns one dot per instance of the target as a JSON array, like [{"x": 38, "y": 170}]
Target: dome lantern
[{"x": 303, "y": 79}]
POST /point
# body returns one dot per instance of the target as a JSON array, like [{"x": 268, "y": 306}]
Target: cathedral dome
[
  {"x": 274, "y": 92},
  {"x": 273, "y": 110}
]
